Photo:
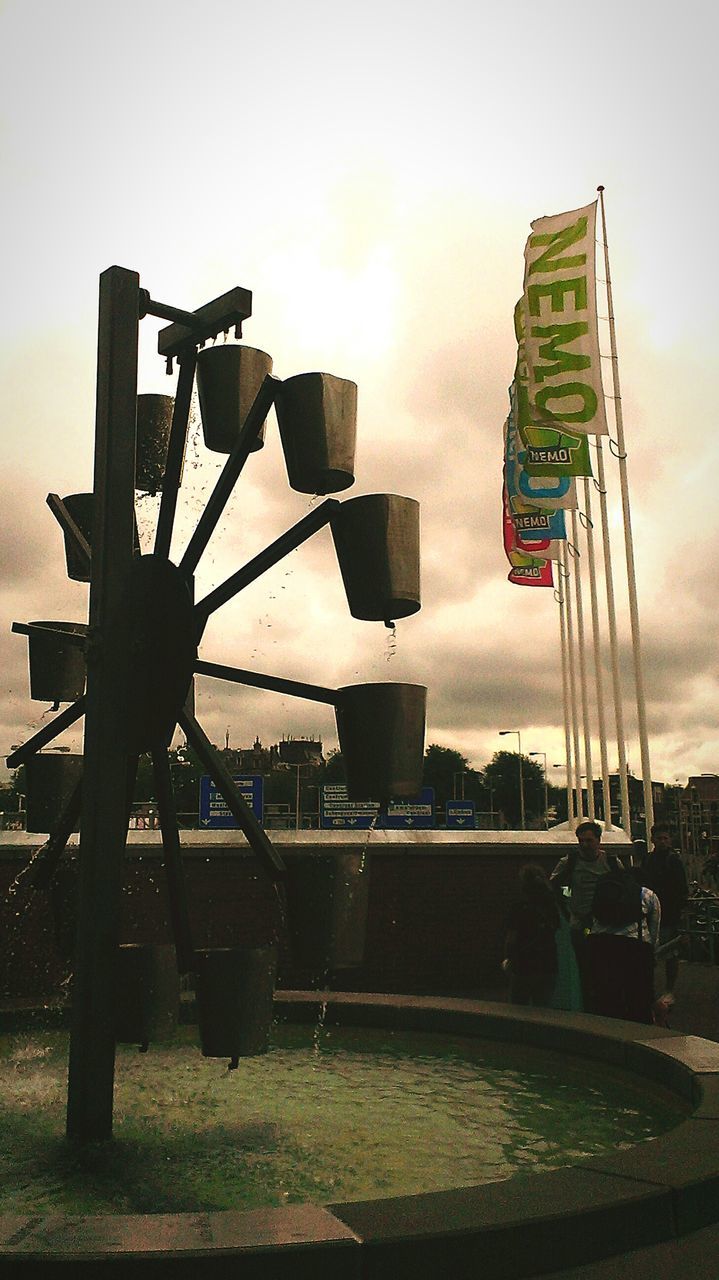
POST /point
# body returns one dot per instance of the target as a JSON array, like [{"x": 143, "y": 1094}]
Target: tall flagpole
[
  {"x": 583, "y": 669},
  {"x": 629, "y": 546},
  {"x": 559, "y": 596},
  {"x": 579, "y": 808},
  {"x": 599, "y": 679},
  {"x": 601, "y": 483}
]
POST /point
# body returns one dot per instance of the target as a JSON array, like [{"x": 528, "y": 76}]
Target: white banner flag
[{"x": 561, "y": 339}]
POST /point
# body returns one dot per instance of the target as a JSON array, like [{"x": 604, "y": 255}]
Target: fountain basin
[{"x": 654, "y": 1192}]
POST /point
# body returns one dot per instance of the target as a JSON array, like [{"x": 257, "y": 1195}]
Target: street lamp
[
  {"x": 543, "y": 754},
  {"x": 502, "y": 734}
]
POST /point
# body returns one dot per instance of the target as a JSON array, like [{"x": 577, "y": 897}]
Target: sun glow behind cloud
[{"x": 370, "y": 173}]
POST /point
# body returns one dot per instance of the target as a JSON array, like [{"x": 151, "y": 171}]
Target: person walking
[
  {"x": 663, "y": 871},
  {"x": 530, "y": 951}
]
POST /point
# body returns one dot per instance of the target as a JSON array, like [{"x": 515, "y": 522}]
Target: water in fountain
[{"x": 351, "y": 1114}]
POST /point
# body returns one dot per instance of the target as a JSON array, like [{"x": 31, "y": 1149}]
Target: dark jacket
[{"x": 665, "y": 874}]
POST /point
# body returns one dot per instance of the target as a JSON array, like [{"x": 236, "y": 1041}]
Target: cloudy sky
[{"x": 370, "y": 171}]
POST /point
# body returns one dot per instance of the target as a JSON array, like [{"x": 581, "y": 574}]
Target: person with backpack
[
  {"x": 530, "y": 949},
  {"x": 626, "y": 919}
]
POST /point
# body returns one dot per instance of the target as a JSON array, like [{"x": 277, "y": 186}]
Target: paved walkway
[
  {"x": 693, "y": 1257},
  {"x": 696, "y": 1011}
]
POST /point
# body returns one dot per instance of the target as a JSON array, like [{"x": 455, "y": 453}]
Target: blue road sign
[
  {"x": 405, "y": 815},
  {"x": 339, "y": 813},
  {"x": 461, "y": 814},
  {"x": 214, "y": 813}
]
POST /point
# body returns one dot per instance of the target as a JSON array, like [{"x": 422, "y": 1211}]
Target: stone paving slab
[
  {"x": 685, "y": 1160},
  {"x": 95, "y": 1235},
  {"x": 694, "y": 1257},
  {"x": 507, "y": 1230}
]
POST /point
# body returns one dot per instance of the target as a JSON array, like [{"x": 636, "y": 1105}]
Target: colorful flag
[
  {"x": 547, "y": 450},
  {"x": 527, "y": 570},
  {"x": 561, "y": 338},
  {"x": 535, "y": 495}
]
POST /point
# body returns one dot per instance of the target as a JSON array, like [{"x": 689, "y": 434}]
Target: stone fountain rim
[{"x": 651, "y": 1193}]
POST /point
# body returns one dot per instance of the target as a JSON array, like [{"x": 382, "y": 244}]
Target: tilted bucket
[
  {"x": 376, "y": 538},
  {"x": 57, "y": 665},
  {"x": 81, "y": 507},
  {"x": 228, "y": 379},
  {"x": 317, "y": 417},
  {"x": 154, "y": 422},
  {"x": 147, "y": 993},
  {"x": 51, "y": 779},
  {"x": 381, "y": 735},
  {"x": 234, "y": 988},
  {"x": 327, "y": 899}
]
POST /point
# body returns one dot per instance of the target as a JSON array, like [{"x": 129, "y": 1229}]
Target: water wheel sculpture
[{"x": 140, "y": 645}]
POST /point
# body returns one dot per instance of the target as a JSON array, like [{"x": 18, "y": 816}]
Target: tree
[
  {"x": 186, "y": 769},
  {"x": 451, "y": 776},
  {"x": 333, "y": 769},
  {"x": 502, "y": 775}
]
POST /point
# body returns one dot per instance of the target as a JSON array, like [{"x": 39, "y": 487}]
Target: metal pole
[
  {"x": 521, "y": 780},
  {"x": 583, "y": 669},
  {"x": 503, "y": 733},
  {"x": 579, "y": 807},
  {"x": 571, "y": 813},
  {"x": 543, "y": 754},
  {"x": 613, "y": 643},
  {"x": 106, "y": 758},
  {"x": 628, "y": 545},
  {"x": 599, "y": 679},
  {"x": 297, "y": 799}
]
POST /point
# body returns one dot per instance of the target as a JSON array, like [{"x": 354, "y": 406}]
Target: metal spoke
[
  {"x": 256, "y": 835},
  {"x": 77, "y": 638},
  {"x": 42, "y": 867},
  {"x": 295, "y": 688},
  {"x": 276, "y": 551},
  {"x": 230, "y": 473},
  {"x": 47, "y": 733},
  {"x": 68, "y": 525},
  {"x": 175, "y": 454}
]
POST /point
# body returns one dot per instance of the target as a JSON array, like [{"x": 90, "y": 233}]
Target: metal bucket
[
  {"x": 381, "y": 735},
  {"x": 376, "y": 538},
  {"x": 51, "y": 779},
  {"x": 228, "y": 379},
  {"x": 234, "y": 988},
  {"x": 317, "y": 417},
  {"x": 154, "y": 422},
  {"x": 327, "y": 900},
  {"x": 81, "y": 507},
  {"x": 147, "y": 993},
  {"x": 57, "y": 666}
]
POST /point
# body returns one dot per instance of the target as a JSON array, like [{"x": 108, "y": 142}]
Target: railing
[{"x": 700, "y": 924}]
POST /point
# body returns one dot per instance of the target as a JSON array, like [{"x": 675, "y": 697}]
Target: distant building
[
  {"x": 294, "y": 751},
  {"x": 254, "y": 759},
  {"x": 699, "y": 816},
  {"x": 635, "y": 787},
  {"x": 288, "y": 753}
]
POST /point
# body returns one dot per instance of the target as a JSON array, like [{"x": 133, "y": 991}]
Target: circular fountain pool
[
  {"x": 599, "y": 1203},
  {"x": 328, "y": 1114}
]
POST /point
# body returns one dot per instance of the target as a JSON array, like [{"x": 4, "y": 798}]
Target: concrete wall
[{"x": 436, "y": 904}]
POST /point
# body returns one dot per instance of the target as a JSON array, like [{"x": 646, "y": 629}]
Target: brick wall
[{"x": 434, "y": 920}]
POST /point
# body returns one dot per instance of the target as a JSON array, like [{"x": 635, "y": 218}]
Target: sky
[{"x": 370, "y": 172}]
